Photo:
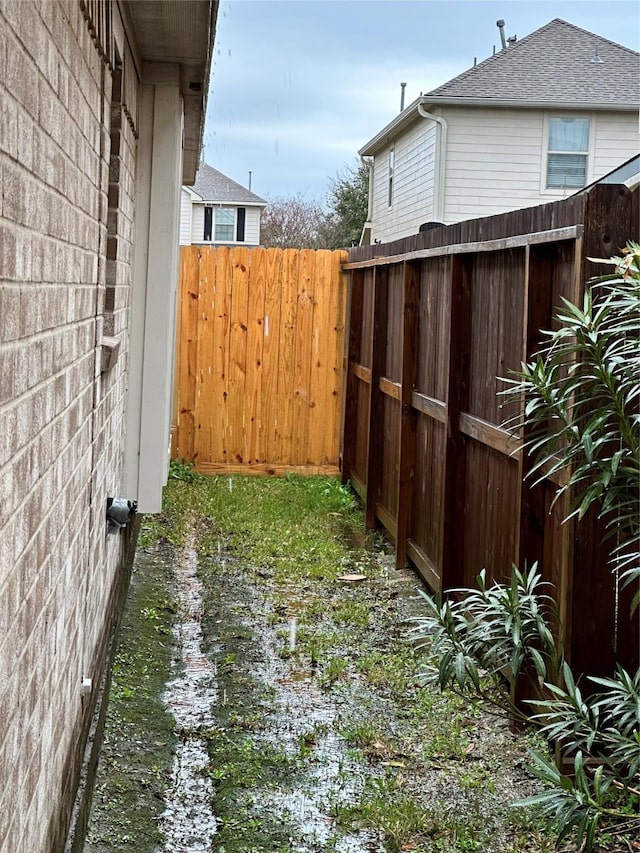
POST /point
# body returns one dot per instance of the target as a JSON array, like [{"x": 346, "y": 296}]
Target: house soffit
[{"x": 179, "y": 33}]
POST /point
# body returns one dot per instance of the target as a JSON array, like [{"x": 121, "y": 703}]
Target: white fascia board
[
  {"x": 230, "y": 203},
  {"x": 540, "y": 104},
  {"x": 407, "y": 117},
  {"x": 194, "y": 195}
]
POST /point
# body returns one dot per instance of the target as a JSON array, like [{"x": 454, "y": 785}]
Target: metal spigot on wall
[{"x": 119, "y": 512}]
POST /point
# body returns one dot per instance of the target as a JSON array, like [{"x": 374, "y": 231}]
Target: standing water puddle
[
  {"x": 332, "y": 776},
  {"x": 188, "y": 821}
]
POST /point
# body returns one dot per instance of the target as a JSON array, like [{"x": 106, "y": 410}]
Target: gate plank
[
  {"x": 253, "y": 452},
  {"x": 302, "y": 360},
  {"x": 270, "y": 353},
  {"x": 237, "y": 355}
]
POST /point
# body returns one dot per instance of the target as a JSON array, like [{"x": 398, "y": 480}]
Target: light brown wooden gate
[{"x": 259, "y": 360}]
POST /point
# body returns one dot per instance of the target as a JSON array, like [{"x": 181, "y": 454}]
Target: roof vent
[
  {"x": 597, "y": 60},
  {"x": 506, "y": 42}
]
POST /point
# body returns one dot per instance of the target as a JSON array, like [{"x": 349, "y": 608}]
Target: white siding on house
[
  {"x": 252, "y": 226},
  {"x": 494, "y": 161},
  {"x": 616, "y": 140},
  {"x": 197, "y": 223},
  {"x": 185, "y": 217},
  {"x": 496, "y": 158},
  {"x": 413, "y": 181}
]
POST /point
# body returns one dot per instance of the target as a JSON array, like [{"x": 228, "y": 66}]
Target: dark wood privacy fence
[
  {"x": 434, "y": 320},
  {"x": 258, "y": 381}
]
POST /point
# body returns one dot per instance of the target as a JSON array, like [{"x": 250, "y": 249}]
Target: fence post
[
  {"x": 375, "y": 418},
  {"x": 407, "y": 450},
  {"x": 353, "y": 348},
  {"x": 458, "y": 392}
]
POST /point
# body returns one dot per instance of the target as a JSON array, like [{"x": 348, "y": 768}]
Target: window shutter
[
  {"x": 208, "y": 223},
  {"x": 240, "y": 224}
]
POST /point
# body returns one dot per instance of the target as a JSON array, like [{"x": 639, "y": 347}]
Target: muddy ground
[{"x": 265, "y": 701}]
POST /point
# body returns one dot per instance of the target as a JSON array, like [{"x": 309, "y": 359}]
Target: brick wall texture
[{"x": 66, "y": 223}]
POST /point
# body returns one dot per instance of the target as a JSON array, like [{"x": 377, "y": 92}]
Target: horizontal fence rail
[
  {"x": 259, "y": 368},
  {"x": 435, "y": 321}
]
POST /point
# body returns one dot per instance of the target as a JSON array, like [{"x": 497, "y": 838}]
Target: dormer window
[{"x": 567, "y": 152}]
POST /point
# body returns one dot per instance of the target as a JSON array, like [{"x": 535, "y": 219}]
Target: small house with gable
[
  {"x": 219, "y": 212},
  {"x": 542, "y": 118}
]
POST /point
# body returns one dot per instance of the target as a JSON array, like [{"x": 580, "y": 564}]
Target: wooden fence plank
[
  {"x": 455, "y": 469},
  {"x": 235, "y": 433},
  {"x": 406, "y": 463},
  {"x": 184, "y": 436},
  {"x": 375, "y": 415},
  {"x": 207, "y": 386},
  {"x": 303, "y": 356},
  {"x": 353, "y": 348},
  {"x": 286, "y": 362},
  {"x": 271, "y": 353},
  {"x": 336, "y": 284},
  {"x": 215, "y": 401},
  {"x": 256, "y": 263},
  {"x": 320, "y": 387}
]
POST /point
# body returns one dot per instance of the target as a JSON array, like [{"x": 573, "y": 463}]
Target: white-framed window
[
  {"x": 224, "y": 224},
  {"x": 567, "y": 152},
  {"x": 392, "y": 163}
]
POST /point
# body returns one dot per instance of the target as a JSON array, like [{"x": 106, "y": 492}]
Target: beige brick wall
[{"x": 66, "y": 230}]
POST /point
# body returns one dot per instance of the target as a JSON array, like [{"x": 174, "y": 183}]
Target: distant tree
[
  {"x": 347, "y": 205},
  {"x": 296, "y": 222},
  {"x": 293, "y": 222}
]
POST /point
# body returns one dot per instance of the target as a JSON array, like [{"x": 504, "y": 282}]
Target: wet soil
[{"x": 256, "y": 710}]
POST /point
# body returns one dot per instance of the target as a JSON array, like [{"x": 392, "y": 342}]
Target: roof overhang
[
  {"x": 410, "y": 115},
  {"x": 403, "y": 120},
  {"x": 179, "y": 33},
  {"x": 228, "y": 202}
]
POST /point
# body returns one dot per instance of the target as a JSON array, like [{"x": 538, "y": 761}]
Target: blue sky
[{"x": 298, "y": 86}]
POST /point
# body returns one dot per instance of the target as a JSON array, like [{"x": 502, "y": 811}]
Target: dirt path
[{"x": 299, "y": 722}]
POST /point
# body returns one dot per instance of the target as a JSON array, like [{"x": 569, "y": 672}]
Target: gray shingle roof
[
  {"x": 212, "y": 185},
  {"x": 552, "y": 64}
]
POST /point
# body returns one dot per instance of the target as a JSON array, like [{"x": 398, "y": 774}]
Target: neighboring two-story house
[
  {"x": 219, "y": 211},
  {"x": 540, "y": 119}
]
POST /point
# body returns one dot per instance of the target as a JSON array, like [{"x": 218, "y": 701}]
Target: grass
[
  {"x": 139, "y": 740},
  {"x": 270, "y": 550}
]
